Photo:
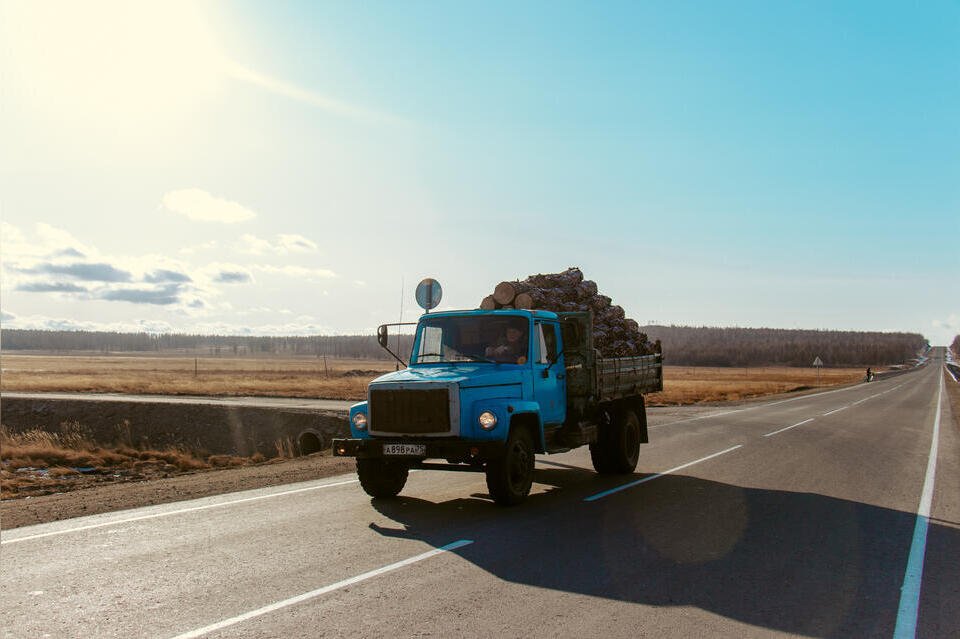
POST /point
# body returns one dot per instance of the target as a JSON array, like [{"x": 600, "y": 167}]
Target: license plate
[{"x": 418, "y": 450}]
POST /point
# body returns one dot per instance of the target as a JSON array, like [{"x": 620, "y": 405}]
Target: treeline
[
  {"x": 682, "y": 345},
  {"x": 348, "y": 346},
  {"x": 955, "y": 346},
  {"x": 705, "y": 346}
]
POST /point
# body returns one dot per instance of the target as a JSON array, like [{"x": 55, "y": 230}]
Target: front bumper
[{"x": 457, "y": 449}]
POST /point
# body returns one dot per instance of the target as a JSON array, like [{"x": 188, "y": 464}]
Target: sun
[{"x": 113, "y": 61}]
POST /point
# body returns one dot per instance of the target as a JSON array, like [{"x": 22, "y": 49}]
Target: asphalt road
[{"x": 792, "y": 517}]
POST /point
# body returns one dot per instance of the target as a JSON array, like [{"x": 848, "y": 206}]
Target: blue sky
[{"x": 289, "y": 165}]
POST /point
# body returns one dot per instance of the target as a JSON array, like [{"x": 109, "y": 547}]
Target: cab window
[{"x": 546, "y": 343}]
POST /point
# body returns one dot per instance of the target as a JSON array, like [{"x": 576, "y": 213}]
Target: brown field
[
  {"x": 697, "y": 384},
  {"x": 164, "y": 375},
  {"x": 310, "y": 377}
]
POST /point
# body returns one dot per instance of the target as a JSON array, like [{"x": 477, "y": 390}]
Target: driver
[{"x": 510, "y": 347}]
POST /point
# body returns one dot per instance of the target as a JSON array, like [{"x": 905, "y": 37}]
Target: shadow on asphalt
[{"x": 791, "y": 562}]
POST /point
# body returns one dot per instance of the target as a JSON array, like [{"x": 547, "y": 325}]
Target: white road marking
[
  {"x": 232, "y": 621},
  {"x": 115, "y": 522},
  {"x": 860, "y": 401},
  {"x": 806, "y": 421},
  {"x": 913, "y": 576},
  {"x": 605, "y": 493},
  {"x": 837, "y": 410},
  {"x": 763, "y": 405}
]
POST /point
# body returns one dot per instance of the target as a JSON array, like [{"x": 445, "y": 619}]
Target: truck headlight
[
  {"x": 487, "y": 420},
  {"x": 360, "y": 421}
]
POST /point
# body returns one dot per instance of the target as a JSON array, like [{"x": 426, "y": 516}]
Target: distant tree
[{"x": 696, "y": 346}]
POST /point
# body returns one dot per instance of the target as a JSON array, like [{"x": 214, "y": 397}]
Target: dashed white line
[
  {"x": 837, "y": 410},
  {"x": 232, "y": 621},
  {"x": 860, "y": 401},
  {"x": 763, "y": 405},
  {"x": 605, "y": 493},
  {"x": 806, "y": 421}
]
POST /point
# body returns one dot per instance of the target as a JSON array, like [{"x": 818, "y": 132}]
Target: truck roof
[{"x": 510, "y": 311}]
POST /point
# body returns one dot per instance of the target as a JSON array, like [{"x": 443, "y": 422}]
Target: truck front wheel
[
  {"x": 382, "y": 478},
  {"x": 509, "y": 478},
  {"x": 617, "y": 449}
]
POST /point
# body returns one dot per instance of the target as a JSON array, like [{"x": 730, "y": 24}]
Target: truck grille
[{"x": 410, "y": 411}]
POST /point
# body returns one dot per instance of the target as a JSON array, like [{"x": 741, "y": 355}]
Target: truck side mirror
[{"x": 382, "y": 336}]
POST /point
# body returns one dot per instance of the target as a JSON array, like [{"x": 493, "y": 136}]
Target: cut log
[
  {"x": 488, "y": 303},
  {"x": 524, "y": 300},
  {"x": 504, "y": 293}
]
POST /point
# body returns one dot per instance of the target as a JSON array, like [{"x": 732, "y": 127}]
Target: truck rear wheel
[
  {"x": 509, "y": 478},
  {"x": 617, "y": 449},
  {"x": 382, "y": 478}
]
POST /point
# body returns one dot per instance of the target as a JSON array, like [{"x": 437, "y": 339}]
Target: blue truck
[{"x": 486, "y": 391}]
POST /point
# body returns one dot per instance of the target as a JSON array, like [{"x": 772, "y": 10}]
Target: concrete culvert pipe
[{"x": 310, "y": 442}]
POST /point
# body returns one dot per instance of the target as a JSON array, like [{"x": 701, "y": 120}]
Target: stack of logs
[{"x": 614, "y": 335}]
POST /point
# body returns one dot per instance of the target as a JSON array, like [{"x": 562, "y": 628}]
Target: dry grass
[
  {"x": 223, "y": 376},
  {"x": 347, "y": 379},
  {"x": 695, "y": 384},
  {"x": 38, "y": 462}
]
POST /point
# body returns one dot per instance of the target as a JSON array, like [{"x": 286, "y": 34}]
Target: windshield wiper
[{"x": 478, "y": 358}]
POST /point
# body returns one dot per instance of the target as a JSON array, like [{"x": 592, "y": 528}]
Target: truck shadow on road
[{"x": 792, "y": 562}]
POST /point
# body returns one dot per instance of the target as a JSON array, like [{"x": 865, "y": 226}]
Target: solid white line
[
  {"x": 806, "y": 421},
  {"x": 913, "y": 576},
  {"x": 169, "y": 513},
  {"x": 605, "y": 493},
  {"x": 232, "y": 621},
  {"x": 837, "y": 410}
]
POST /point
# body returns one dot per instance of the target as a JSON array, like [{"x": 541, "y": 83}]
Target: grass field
[{"x": 344, "y": 378}]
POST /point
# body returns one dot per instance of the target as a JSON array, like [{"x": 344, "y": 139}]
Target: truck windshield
[{"x": 473, "y": 339}]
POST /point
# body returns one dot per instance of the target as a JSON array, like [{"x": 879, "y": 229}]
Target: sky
[{"x": 296, "y": 168}]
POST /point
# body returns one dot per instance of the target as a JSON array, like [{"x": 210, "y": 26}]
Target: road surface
[{"x": 791, "y": 517}]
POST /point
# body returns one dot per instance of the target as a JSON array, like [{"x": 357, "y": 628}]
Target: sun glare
[{"x": 126, "y": 63}]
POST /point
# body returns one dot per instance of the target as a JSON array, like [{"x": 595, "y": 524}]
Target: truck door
[{"x": 549, "y": 382}]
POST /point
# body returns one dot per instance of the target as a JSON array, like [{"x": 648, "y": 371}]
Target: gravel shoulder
[{"x": 134, "y": 494}]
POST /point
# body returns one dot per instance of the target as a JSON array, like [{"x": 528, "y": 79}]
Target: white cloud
[
  {"x": 284, "y": 244},
  {"x": 206, "y": 246},
  {"x": 952, "y": 323},
  {"x": 47, "y": 241},
  {"x": 201, "y": 206},
  {"x": 46, "y": 323},
  {"x": 226, "y": 273},
  {"x": 51, "y": 262},
  {"x": 296, "y": 271}
]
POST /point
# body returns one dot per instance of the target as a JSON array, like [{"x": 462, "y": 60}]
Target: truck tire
[
  {"x": 509, "y": 478},
  {"x": 382, "y": 478},
  {"x": 617, "y": 449}
]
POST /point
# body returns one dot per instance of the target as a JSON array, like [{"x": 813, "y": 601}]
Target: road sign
[
  {"x": 818, "y": 361},
  {"x": 429, "y": 294}
]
